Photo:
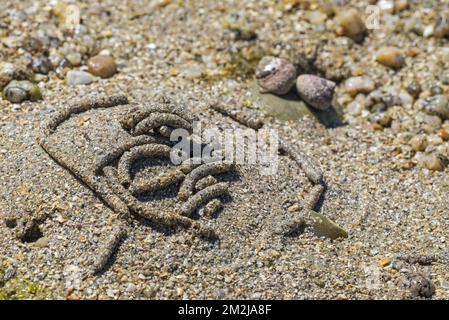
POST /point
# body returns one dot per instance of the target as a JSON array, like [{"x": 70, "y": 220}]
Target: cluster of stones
[
  {"x": 279, "y": 76},
  {"x": 428, "y": 142},
  {"x": 47, "y": 54}
]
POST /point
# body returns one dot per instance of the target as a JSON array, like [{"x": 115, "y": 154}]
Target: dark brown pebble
[{"x": 102, "y": 66}]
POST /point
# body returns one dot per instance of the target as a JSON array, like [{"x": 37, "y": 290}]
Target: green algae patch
[
  {"x": 240, "y": 65},
  {"x": 21, "y": 289}
]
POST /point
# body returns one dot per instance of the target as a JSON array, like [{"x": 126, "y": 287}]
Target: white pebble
[
  {"x": 428, "y": 31},
  {"x": 75, "y": 78}
]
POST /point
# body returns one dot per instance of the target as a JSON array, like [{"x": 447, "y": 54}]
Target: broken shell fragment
[{"x": 323, "y": 226}]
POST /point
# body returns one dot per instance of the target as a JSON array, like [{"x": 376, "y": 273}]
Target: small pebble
[
  {"x": 406, "y": 98},
  {"x": 437, "y": 105},
  {"x": 193, "y": 71},
  {"x": 75, "y": 78},
  {"x": 74, "y": 58},
  {"x": 386, "y": 6},
  {"x": 33, "y": 45},
  {"x": 356, "y": 85},
  {"x": 383, "y": 262},
  {"x": 41, "y": 64},
  {"x": 436, "y": 90},
  {"x": 102, "y": 66},
  {"x": 428, "y": 31},
  {"x": 351, "y": 25},
  {"x": 384, "y": 119},
  {"x": 419, "y": 143},
  {"x": 400, "y": 5},
  {"x": 414, "y": 89},
  {"x": 316, "y": 17},
  {"x": 9, "y": 71},
  {"x": 131, "y": 287},
  {"x": 41, "y": 242},
  {"x": 19, "y": 91},
  {"x": 433, "y": 162},
  {"x": 391, "y": 57},
  {"x": 317, "y": 92},
  {"x": 294, "y": 208},
  {"x": 62, "y": 68},
  {"x": 418, "y": 285},
  {"x": 443, "y": 134},
  {"x": 275, "y": 75},
  {"x": 442, "y": 27},
  {"x": 435, "y": 140}
]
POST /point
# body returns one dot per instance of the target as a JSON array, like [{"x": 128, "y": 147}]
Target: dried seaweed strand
[
  {"x": 242, "y": 117},
  {"x": 137, "y": 153},
  {"x": 108, "y": 249},
  {"x": 162, "y": 181},
  {"x": 82, "y": 106},
  {"x": 158, "y": 119},
  {"x": 202, "y": 197},
  {"x": 312, "y": 172},
  {"x": 187, "y": 187}
]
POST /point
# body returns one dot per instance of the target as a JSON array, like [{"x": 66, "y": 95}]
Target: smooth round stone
[
  {"x": 443, "y": 134},
  {"x": 42, "y": 242},
  {"x": 391, "y": 57},
  {"x": 15, "y": 94},
  {"x": 351, "y": 25},
  {"x": 400, "y": 5},
  {"x": 275, "y": 75},
  {"x": 19, "y": 91},
  {"x": 75, "y": 78},
  {"x": 316, "y": 91},
  {"x": 102, "y": 66},
  {"x": 386, "y": 6},
  {"x": 74, "y": 58},
  {"x": 433, "y": 162}
]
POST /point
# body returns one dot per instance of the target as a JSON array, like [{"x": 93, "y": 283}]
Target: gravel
[{"x": 376, "y": 189}]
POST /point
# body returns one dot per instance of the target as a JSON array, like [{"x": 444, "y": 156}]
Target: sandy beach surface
[{"x": 382, "y": 149}]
